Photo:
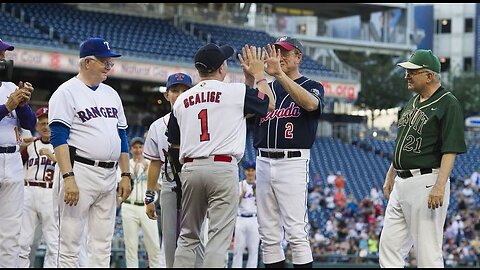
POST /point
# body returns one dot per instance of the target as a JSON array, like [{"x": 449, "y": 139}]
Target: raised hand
[
  {"x": 249, "y": 79},
  {"x": 26, "y": 90},
  {"x": 272, "y": 58},
  {"x": 15, "y": 98},
  {"x": 251, "y": 61}
]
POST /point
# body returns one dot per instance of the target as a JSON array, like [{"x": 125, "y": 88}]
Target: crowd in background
[{"x": 353, "y": 227}]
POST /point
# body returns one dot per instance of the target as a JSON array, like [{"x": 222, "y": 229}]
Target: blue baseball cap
[
  {"x": 5, "y": 46},
  {"x": 249, "y": 165},
  {"x": 135, "y": 140},
  {"x": 179, "y": 78},
  {"x": 96, "y": 47}
]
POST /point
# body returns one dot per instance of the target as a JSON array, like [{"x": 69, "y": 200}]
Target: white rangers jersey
[
  {"x": 38, "y": 168},
  {"x": 93, "y": 117},
  {"x": 10, "y": 124},
  {"x": 209, "y": 118},
  {"x": 248, "y": 203}
]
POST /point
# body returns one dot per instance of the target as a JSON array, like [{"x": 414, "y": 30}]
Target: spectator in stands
[
  {"x": 475, "y": 179},
  {"x": 14, "y": 113},
  {"x": 331, "y": 178},
  {"x": 339, "y": 181},
  {"x": 340, "y": 198},
  {"x": 373, "y": 244}
]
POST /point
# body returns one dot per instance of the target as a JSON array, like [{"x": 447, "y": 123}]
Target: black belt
[
  {"x": 38, "y": 184},
  {"x": 407, "y": 173},
  {"x": 102, "y": 164},
  {"x": 8, "y": 149},
  {"x": 277, "y": 154},
  {"x": 134, "y": 203},
  {"x": 249, "y": 215}
]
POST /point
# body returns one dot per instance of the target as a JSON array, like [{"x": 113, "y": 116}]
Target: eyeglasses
[
  {"x": 413, "y": 74},
  {"x": 107, "y": 64},
  {"x": 287, "y": 54}
]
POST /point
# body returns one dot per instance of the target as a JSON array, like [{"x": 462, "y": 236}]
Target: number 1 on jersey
[{"x": 202, "y": 115}]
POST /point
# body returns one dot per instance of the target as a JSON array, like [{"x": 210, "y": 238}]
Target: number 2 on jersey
[
  {"x": 203, "y": 116},
  {"x": 289, "y": 130}
]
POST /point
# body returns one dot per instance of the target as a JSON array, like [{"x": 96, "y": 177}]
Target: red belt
[
  {"x": 221, "y": 158},
  {"x": 39, "y": 184}
]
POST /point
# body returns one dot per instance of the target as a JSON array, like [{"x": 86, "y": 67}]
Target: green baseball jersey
[{"x": 427, "y": 130}]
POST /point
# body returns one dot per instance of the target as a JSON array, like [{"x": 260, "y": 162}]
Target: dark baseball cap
[
  {"x": 96, "y": 47},
  {"x": 210, "y": 57},
  {"x": 289, "y": 43},
  {"x": 249, "y": 165},
  {"x": 179, "y": 78},
  {"x": 422, "y": 59},
  {"x": 41, "y": 111},
  {"x": 5, "y": 46},
  {"x": 135, "y": 140}
]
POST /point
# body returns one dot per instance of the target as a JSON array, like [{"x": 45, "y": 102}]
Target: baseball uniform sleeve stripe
[
  {"x": 151, "y": 157},
  {"x": 59, "y": 134},
  {"x": 124, "y": 140},
  {"x": 60, "y": 121}
]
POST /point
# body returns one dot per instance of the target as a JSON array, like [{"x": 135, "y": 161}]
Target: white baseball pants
[
  {"x": 11, "y": 206},
  {"x": 409, "y": 222},
  {"x": 282, "y": 202}
]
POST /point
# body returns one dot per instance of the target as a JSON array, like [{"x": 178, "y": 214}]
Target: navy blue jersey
[{"x": 289, "y": 126}]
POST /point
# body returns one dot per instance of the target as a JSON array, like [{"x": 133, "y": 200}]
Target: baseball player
[
  {"x": 283, "y": 139},
  {"x": 89, "y": 138},
  {"x": 211, "y": 147},
  {"x": 156, "y": 147},
  {"x": 133, "y": 213},
  {"x": 38, "y": 210},
  {"x": 246, "y": 228},
  {"x": 430, "y": 135},
  {"x": 15, "y": 114}
]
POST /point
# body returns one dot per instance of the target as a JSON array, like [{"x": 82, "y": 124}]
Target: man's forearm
[
  {"x": 124, "y": 163},
  {"x": 153, "y": 173},
  {"x": 446, "y": 165},
  {"x": 63, "y": 158},
  {"x": 301, "y": 96}
]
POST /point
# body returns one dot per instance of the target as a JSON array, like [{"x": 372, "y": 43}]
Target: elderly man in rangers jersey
[
  {"x": 38, "y": 208},
  {"x": 89, "y": 138},
  {"x": 430, "y": 135},
  {"x": 283, "y": 139},
  {"x": 15, "y": 114},
  {"x": 211, "y": 147}
]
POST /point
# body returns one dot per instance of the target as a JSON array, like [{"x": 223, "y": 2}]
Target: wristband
[
  {"x": 129, "y": 175},
  {"x": 148, "y": 200},
  {"x": 149, "y": 196},
  {"x": 150, "y": 193},
  {"x": 68, "y": 174},
  {"x": 259, "y": 81}
]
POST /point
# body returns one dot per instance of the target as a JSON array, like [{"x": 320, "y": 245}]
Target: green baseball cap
[{"x": 422, "y": 59}]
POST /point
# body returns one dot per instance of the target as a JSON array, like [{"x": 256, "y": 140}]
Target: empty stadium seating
[
  {"x": 15, "y": 31},
  {"x": 133, "y": 36},
  {"x": 238, "y": 37}
]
